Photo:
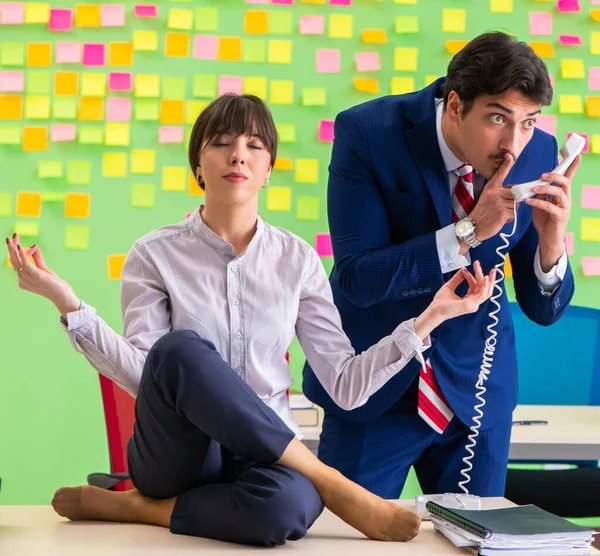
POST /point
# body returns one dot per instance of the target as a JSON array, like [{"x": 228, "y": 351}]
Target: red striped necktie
[{"x": 463, "y": 199}]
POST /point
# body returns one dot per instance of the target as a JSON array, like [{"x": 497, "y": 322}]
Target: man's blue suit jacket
[{"x": 388, "y": 193}]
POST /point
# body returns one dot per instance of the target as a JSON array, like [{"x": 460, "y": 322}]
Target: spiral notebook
[{"x": 514, "y": 531}]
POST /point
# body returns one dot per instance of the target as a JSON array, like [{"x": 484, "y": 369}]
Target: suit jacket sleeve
[{"x": 370, "y": 268}]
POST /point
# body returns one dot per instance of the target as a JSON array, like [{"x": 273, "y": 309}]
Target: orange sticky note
[
  {"x": 595, "y": 15},
  {"x": 171, "y": 112},
  {"x": 115, "y": 266},
  {"x": 193, "y": 188},
  {"x": 77, "y": 205},
  {"x": 374, "y": 36},
  {"x": 29, "y": 204},
  {"x": 11, "y": 107},
  {"x": 508, "y": 272},
  {"x": 177, "y": 45},
  {"x": 66, "y": 83},
  {"x": 592, "y": 107},
  {"x": 453, "y": 47},
  {"x": 87, "y": 15},
  {"x": 283, "y": 164},
  {"x": 91, "y": 109},
  {"x": 120, "y": 54},
  {"x": 542, "y": 49},
  {"x": 39, "y": 54},
  {"x": 256, "y": 22},
  {"x": 366, "y": 85},
  {"x": 35, "y": 139},
  {"x": 230, "y": 49}
]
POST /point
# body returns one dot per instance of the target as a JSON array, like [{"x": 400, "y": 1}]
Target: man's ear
[{"x": 454, "y": 106}]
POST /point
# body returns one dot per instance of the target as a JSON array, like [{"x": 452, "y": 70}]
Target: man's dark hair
[{"x": 494, "y": 63}]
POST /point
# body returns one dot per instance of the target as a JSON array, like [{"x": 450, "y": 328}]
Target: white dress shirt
[
  {"x": 250, "y": 306},
  {"x": 447, "y": 243}
]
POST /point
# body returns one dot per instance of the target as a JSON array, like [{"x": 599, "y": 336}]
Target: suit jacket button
[
  {"x": 427, "y": 290},
  {"x": 404, "y": 293},
  {"x": 413, "y": 292}
]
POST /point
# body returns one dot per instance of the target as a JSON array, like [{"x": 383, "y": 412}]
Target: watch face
[{"x": 464, "y": 227}]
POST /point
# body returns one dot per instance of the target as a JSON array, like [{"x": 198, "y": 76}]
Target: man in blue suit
[{"x": 416, "y": 192}]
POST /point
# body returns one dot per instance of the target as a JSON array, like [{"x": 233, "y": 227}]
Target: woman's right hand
[{"x": 38, "y": 278}]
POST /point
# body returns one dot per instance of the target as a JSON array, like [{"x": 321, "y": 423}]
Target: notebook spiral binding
[{"x": 470, "y": 549}]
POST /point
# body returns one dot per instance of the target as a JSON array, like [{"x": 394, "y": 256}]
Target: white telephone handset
[{"x": 569, "y": 151}]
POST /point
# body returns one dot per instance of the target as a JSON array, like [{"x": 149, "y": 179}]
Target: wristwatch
[{"x": 465, "y": 231}]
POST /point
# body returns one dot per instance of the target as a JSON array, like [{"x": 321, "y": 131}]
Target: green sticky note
[
  {"x": 5, "y": 204},
  {"x": 27, "y": 229},
  {"x": 307, "y": 208},
  {"x": 50, "y": 169},
  {"x": 52, "y": 197},
  {"x": 146, "y": 110},
  {"x": 286, "y": 132},
  {"x": 79, "y": 172},
  {"x": 91, "y": 135},
  {"x": 407, "y": 24},
  {"x": 254, "y": 50},
  {"x": 205, "y": 86},
  {"x": 38, "y": 82},
  {"x": 77, "y": 237},
  {"x": 281, "y": 23},
  {"x": 314, "y": 96},
  {"x": 64, "y": 108},
  {"x": 173, "y": 88},
  {"x": 10, "y": 135},
  {"x": 142, "y": 195},
  {"x": 12, "y": 54},
  {"x": 207, "y": 19}
]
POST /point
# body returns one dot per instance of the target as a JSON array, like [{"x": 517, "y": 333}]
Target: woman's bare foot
[{"x": 93, "y": 503}]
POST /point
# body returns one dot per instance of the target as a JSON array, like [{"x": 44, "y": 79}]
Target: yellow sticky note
[
  {"x": 340, "y": 26},
  {"x": 570, "y": 104},
  {"x": 454, "y": 47},
  {"x": 174, "y": 178},
  {"x": 307, "y": 170},
  {"x": 87, "y": 15},
  {"x": 407, "y": 24},
  {"x": 429, "y": 79},
  {"x": 572, "y": 69},
  {"x": 314, "y": 96},
  {"x": 279, "y": 51},
  {"x": 405, "y": 59},
  {"x": 93, "y": 84},
  {"x": 402, "y": 85},
  {"x": 37, "y": 107},
  {"x": 37, "y": 12},
  {"x": 595, "y": 15},
  {"x": 501, "y": 6},
  {"x": 543, "y": 49},
  {"x": 193, "y": 108},
  {"x": 29, "y": 204},
  {"x": 406, "y": 2},
  {"x": 374, "y": 36},
  {"x": 120, "y": 54},
  {"x": 114, "y": 165},
  {"x": 50, "y": 169},
  {"x": 143, "y": 161},
  {"x": 366, "y": 85},
  {"x": 281, "y": 92},
  {"x": 256, "y": 22},
  {"x": 279, "y": 198},
  {"x": 77, "y": 205},
  {"x": 454, "y": 20},
  {"x": 282, "y": 163},
  {"x": 595, "y": 42},
  {"x": 39, "y": 54},
  {"x": 91, "y": 109},
  {"x": 145, "y": 41},
  {"x": 117, "y": 134},
  {"x": 229, "y": 49},
  {"x": 256, "y": 86},
  {"x": 35, "y": 139},
  {"x": 115, "y": 266},
  {"x": 592, "y": 107},
  {"x": 177, "y": 45},
  {"x": 147, "y": 86},
  {"x": 180, "y": 19},
  {"x": 590, "y": 229},
  {"x": 595, "y": 144}
]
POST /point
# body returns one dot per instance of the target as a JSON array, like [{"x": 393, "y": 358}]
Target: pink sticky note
[
  {"x": 590, "y": 266},
  {"x": 145, "y": 10},
  {"x": 231, "y": 84},
  {"x": 567, "y": 6},
  {"x": 323, "y": 245},
  {"x": 93, "y": 54},
  {"x": 595, "y": 2},
  {"x": 12, "y": 82},
  {"x": 284, "y": 2},
  {"x": 326, "y": 131},
  {"x": 12, "y": 13},
  {"x": 540, "y": 23},
  {"x": 590, "y": 197},
  {"x": 594, "y": 78},
  {"x": 205, "y": 47},
  {"x": 118, "y": 109},
  {"x": 570, "y": 243},
  {"x": 570, "y": 40},
  {"x": 257, "y": 1},
  {"x": 547, "y": 123},
  {"x": 63, "y": 132},
  {"x": 170, "y": 134},
  {"x": 312, "y": 25},
  {"x": 328, "y": 60},
  {"x": 112, "y": 15},
  {"x": 340, "y": 2},
  {"x": 586, "y": 148},
  {"x": 68, "y": 52},
  {"x": 120, "y": 81},
  {"x": 188, "y": 214},
  {"x": 367, "y": 61},
  {"x": 60, "y": 20}
]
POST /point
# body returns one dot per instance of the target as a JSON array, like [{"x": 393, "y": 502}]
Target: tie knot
[{"x": 465, "y": 170}]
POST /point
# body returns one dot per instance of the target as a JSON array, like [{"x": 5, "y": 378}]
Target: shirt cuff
[
  {"x": 549, "y": 281},
  {"x": 407, "y": 341},
  {"x": 448, "y": 250},
  {"x": 80, "y": 321}
]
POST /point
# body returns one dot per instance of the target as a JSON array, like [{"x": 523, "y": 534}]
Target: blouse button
[{"x": 238, "y": 335}]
